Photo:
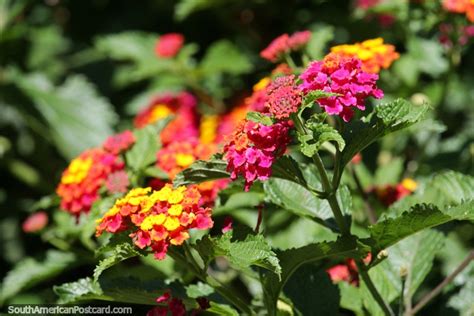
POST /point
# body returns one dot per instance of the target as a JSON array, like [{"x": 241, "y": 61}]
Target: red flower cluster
[
  {"x": 449, "y": 34},
  {"x": 157, "y": 218},
  {"x": 168, "y": 45},
  {"x": 85, "y": 175},
  {"x": 389, "y": 194},
  {"x": 343, "y": 76},
  {"x": 347, "y": 272},
  {"x": 184, "y": 126},
  {"x": 252, "y": 149},
  {"x": 284, "y": 44},
  {"x": 284, "y": 97}
]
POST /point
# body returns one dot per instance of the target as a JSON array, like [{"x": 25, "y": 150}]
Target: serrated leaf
[
  {"x": 319, "y": 133},
  {"x": 258, "y": 117},
  {"x": 224, "y": 57},
  {"x": 120, "y": 253},
  {"x": 292, "y": 259},
  {"x": 79, "y": 118},
  {"x": 221, "y": 310},
  {"x": 287, "y": 168},
  {"x": 30, "y": 272},
  {"x": 143, "y": 152},
  {"x": 201, "y": 171},
  {"x": 387, "y": 118},
  {"x": 123, "y": 289},
  {"x": 253, "y": 250}
]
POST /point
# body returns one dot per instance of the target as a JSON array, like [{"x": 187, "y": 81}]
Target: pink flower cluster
[
  {"x": 449, "y": 34},
  {"x": 119, "y": 142},
  {"x": 168, "y": 45},
  {"x": 253, "y": 148},
  {"x": 341, "y": 75},
  {"x": 284, "y": 97},
  {"x": 284, "y": 44}
]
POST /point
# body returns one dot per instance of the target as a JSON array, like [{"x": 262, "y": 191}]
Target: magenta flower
[
  {"x": 253, "y": 148},
  {"x": 344, "y": 76}
]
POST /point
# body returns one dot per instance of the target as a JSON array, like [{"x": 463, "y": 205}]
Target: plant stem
[
  {"x": 338, "y": 216},
  {"x": 428, "y": 297},
  {"x": 332, "y": 199},
  {"x": 259, "y": 218},
  {"x": 188, "y": 261},
  {"x": 373, "y": 290}
]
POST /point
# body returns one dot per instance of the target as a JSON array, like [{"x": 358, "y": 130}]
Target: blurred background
[{"x": 73, "y": 72}]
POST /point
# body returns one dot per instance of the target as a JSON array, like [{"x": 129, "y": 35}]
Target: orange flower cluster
[
  {"x": 374, "y": 54},
  {"x": 177, "y": 156},
  {"x": 158, "y": 218},
  {"x": 85, "y": 175},
  {"x": 460, "y": 6}
]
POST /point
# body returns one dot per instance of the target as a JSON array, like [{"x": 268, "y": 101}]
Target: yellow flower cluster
[{"x": 373, "y": 53}]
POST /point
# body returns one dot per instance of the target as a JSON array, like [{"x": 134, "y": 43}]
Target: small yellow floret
[
  {"x": 171, "y": 223},
  {"x": 409, "y": 184},
  {"x": 184, "y": 160},
  {"x": 175, "y": 210},
  {"x": 152, "y": 220}
]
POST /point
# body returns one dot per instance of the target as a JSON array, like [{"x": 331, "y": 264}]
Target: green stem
[
  {"x": 188, "y": 261},
  {"x": 373, "y": 290},
  {"x": 345, "y": 229}
]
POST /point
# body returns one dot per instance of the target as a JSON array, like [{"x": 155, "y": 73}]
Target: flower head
[
  {"x": 168, "y": 45},
  {"x": 252, "y": 149},
  {"x": 157, "y": 218},
  {"x": 373, "y": 53},
  {"x": 35, "y": 222},
  {"x": 119, "y": 142},
  {"x": 284, "y": 44},
  {"x": 177, "y": 156},
  {"x": 85, "y": 175},
  {"x": 389, "y": 194},
  {"x": 343, "y": 76},
  {"x": 185, "y": 124},
  {"x": 284, "y": 97}
]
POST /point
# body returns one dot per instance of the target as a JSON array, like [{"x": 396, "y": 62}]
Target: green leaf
[
  {"x": 259, "y": 118},
  {"x": 143, "y": 152},
  {"x": 199, "y": 290},
  {"x": 351, "y": 298},
  {"x": 321, "y": 35},
  {"x": 292, "y": 259},
  {"x": 136, "y": 47},
  {"x": 387, "y": 118},
  {"x": 185, "y": 7},
  {"x": 221, "y": 310},
  {"x": 123, "y": 289},
  {"x": 224, "y": 57},
  {"x": 120, "y": 253},
  {"x": 155, "y": 172},
  {"x": 30, "y": 272},
  {"x": 320, "y": 133},
  {"x": 253, "y": 250},
  {"x": 415, "y": 256},
  {"x": 421, "y": 216},
  {"x": 296, "y": 198},
  {"x": 287, "y": 168},
  {"x": 429, "y": 56},
  {"x": 79, "y": 118},
  {"x": 311, "y": 97},
  {"x": 201, "y": 171},
  {"x": 309, "y": 287}
]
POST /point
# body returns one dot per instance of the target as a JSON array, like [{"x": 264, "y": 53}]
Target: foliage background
[{"x": 61, "y": 47}]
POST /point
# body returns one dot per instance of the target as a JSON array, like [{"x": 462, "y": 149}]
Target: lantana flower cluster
[
  {"x": 185, "y": 124},
  {"x": 252, "y": 149},
  {"x": 343, "y": 76},
  {"x": 157, "y": 219},
  {"x": 285, "y": 44},
  {"x": 460, "y": 6},
  {"x": 389, "y": 194},
  {"x": 81, "y": 181},
  {"x": 283, "y": 97},
  {"x": 374, "y": 54}
]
